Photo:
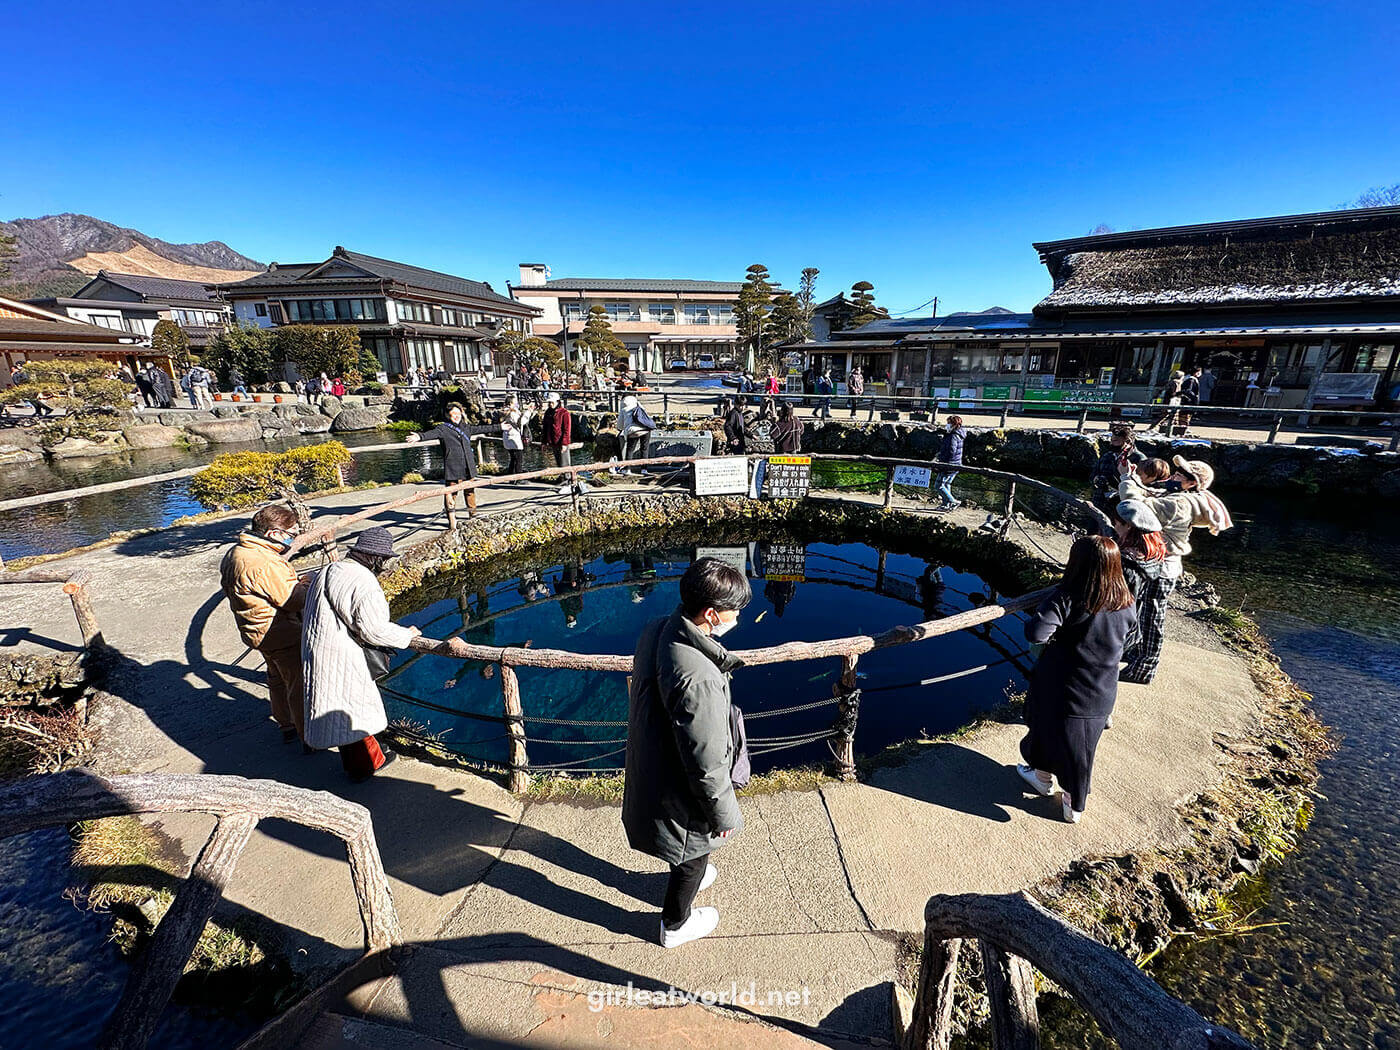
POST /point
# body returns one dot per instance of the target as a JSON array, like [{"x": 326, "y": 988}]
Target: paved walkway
[{"x": 528, "y": 915}]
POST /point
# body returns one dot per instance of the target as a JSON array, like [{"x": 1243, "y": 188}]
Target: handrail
[
  {"x": 238, "y": 804},
  {"x": 75, "y": 585},
  {"x": 1015, "y": 933}
]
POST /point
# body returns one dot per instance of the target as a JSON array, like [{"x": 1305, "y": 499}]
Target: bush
[
  {"x": 372, "y": 387},
  {"x": 403, "y": 426},
  {"x": 247, "y": 479},
  {"x": 411, "y": 478},
  {"x": 93, "y": 399}
]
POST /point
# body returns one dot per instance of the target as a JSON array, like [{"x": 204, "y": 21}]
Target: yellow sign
[{"x": 791, "y": 461}]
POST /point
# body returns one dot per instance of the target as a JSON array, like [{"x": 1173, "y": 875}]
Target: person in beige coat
[
  {"x": 346, "y": 613},
  {"x": 266, "y": 600}
]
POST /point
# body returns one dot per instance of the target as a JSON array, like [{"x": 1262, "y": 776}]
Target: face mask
[
  {"x": 719, "y": 630},
  {"x": 283, "y": 545}
]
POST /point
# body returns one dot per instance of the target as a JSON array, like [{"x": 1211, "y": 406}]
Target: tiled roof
[
  {"x": 614, "y": 284},
  {"x": 386, "y": 269},
  {"x": 157, "y": 288},
  {"x": 41, "y": 328}
]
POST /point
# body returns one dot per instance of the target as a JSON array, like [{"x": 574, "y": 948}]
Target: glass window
[
  {"x": 621, "y": 312},
  {"x": 1137, "y": 365},
  {"x": 260, "y": 309},
  {"x": 662, "y": 313}
]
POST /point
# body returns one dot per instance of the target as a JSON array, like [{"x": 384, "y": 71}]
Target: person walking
[
  {"x": 1171, "y": 397},
  {"x": 1190, "y": 397},
  {"x": 1191, "y": 506},
  {"x": 824, "y": 389},
  {"x": 855, "y": 383},
  {"x": 678, "y": 802},
  {"x": 345, "y": 633},
  {"x": 1152, "y": 575},
  {"x": 1207, "y": 383},
  {"x": 200, "y": 382},
  {"x": 787, "y": 431},
  {"x": 735, "y": 436},
  {"x": 146, "y": 389},
  {"x": 950, "y": 453},
  {"x": 634, "y": 427},
  {"x": 459, "y": 458},
  {"x": 1074, "y": 685},
  {"x": 558, "y": 436},
  {"x": 266, "y": 600}
]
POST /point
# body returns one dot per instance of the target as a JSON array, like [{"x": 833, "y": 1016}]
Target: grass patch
[{"x": 133, "y": 872}]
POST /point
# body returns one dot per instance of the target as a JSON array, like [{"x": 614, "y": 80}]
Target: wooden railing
[
  {"x": 75, "y": 585},
  {"x": 848, "y": 649},
  {"x": 1014, "y": 934},
  {"x": 238, "y": 804}
]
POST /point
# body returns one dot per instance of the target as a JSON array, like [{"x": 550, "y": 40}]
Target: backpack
[{"x": 641, "y": 419}]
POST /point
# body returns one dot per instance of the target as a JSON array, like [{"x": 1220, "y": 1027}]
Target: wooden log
[
  {"x": 932, "y": 1025},
  {"x": 80, "y": 794},
  {"x": 518, "y": 757},
  {"x": 846, "y": 742},
  {"x": 1129, "y": 1006},
  {"x": 81, "y": 596},
  {"x": 155, "y": 973},
  {"x": 37, "y": 575},
  {"x": 1010, "y": 999}
]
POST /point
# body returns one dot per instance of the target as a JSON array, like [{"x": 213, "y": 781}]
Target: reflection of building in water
[{"x": 779, "y": 593}]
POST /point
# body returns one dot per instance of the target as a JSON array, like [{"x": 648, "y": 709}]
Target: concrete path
[{"x": 531, "y": 921}]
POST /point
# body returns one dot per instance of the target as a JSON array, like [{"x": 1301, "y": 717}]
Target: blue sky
[{"x": 919, "y": 146}]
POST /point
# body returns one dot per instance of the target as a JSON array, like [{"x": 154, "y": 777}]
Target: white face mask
[{"x": 719, "y": 630}]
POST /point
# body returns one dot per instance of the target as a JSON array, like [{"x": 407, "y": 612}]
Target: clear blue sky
[{"x": 921, "y": 147}]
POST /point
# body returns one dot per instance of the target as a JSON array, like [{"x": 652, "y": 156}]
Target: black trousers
[
  {"x": 517, "y": 461},
  {"x": 681, "y": 889}
]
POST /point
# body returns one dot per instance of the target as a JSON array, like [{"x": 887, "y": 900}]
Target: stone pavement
[{"x": 527, "y": 915}]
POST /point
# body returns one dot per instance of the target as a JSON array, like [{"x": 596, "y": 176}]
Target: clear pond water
[{"x": 596, "y": 600}]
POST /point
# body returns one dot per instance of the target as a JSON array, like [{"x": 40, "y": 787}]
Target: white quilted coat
[{"x": 342, "y": 702}]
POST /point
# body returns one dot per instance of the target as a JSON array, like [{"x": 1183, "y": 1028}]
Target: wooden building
[
  {"x": 29, "y": 333},
  {"x": 407, "y": 316},
  {"x": 190, "y": 304},
  {"x": 1290, "y": 311}
]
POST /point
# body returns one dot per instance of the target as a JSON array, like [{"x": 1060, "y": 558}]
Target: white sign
[
  {"x": 722, "y": 476},
  {"x": 918, "y": 477},
  {"x": 738, "y": 557},
  {"x": 968, "y": 393}
]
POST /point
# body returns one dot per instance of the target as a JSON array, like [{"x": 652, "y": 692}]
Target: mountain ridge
[{"x": 58, "y": 254}]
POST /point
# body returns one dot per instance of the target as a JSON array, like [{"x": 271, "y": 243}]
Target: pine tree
[
  {"x": 753, "y": 309},
  {"x": 807, "y": 299},
  {"x": 863, "y": 309},
  {"x": 599, "y": 343},
  {"x": 787, "y": 324},
  {"x": 168, "y": 338}
]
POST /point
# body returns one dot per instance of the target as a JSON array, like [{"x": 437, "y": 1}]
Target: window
[
  {"x": 424, "y": 353},
  {"x": 621, "y": 312},
  {"x": 709, "y": 313},
  {"x": 410, "y": 311},
  {"x": 260, "y": 309},
  {"x": 274, "y": 311},
  {"x": 319, "y": 310},
  {"x": 662, "y": 313},
  {"x": 575, "y": 311},
  {"x": 105, "y": 321},
  {"x": 1137, "y": 366}
]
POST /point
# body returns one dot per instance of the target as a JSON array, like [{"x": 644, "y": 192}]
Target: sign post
[{"x": 722, "y": 476}]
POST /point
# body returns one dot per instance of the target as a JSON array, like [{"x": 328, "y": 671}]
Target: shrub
[
  {"x": 371, "y": 387},
  {"x": 236, "y": 480},
  {"x": 93, "y": 399},
  {"x": 403, "y": 426},
  {"x": 411, "y": 478}
]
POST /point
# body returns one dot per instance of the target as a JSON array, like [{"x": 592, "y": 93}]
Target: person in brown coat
[{"x": 267, "y": 600}]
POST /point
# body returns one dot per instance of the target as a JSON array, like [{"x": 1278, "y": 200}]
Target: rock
[
  {"x": 360, "y": 419},
  {"x": 378, "y": 399},
  {"x": 75, "y": 447},
  {"x": 1388, "y": 485},
  {"x": 226, "y": 412},
  {"x": 1246, "y": 865},
  {"x": 179, "y": 419},
  {"x": 310, "y": 424},
  {"x": 16, "y": 454},
  {"x": 329, "y": 405},
  {"x": 225, "y": 431},
  {"x": 152, "y": 435},
  {"x": 283, "y": 388},
  {"x": 304, "y": 408},
  {"x": 353, "y": 401},
  {"x": 284, "y": 411}
]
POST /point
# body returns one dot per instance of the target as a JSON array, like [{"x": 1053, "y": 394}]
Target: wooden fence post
[
  {"x": 889, "y": 488},
  {"x": 1273, "y": 432},
  {"x": 518, "y": 759},
  {"x": 1083, "y": 419},
  {"x": 846, "y": 714},
  {"x": 1005, "y": 410},
  {"x": 76, "y": 589},
  {"x": 933, "y": 1001},
  {"x": 1010, "y": 999},
  {"x": 933, "y": 416}
]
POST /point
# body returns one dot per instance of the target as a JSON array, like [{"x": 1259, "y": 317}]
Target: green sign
[{"x": 996, "y": 393}]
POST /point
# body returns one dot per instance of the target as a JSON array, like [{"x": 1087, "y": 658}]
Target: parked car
[
  {"x": 678, "y": 365},
  {"x": 732, "y": 379},
  {"x": 705, "y": 361}
]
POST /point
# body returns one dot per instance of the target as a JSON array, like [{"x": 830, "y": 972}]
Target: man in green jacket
[{"x": 678, "y": 801}]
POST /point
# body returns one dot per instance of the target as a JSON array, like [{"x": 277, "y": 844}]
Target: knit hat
[
  {"x": 1196, "y": 469},
  {"x": 552, "y": 398},
  {"x": 375, "y": 541},
  {"x": 1137, "y": 513}
]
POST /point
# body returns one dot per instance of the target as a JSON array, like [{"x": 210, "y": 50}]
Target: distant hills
[{"x": 58, "y": 253}]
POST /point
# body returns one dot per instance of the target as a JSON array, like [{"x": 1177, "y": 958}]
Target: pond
[
  {"x": 596, "y": 599},
  {"x": 59, "y": 526}
]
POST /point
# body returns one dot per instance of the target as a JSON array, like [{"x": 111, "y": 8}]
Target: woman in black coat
[
  {"x": 459, "y": 461},
  {"x": 1074, "y": 684},
  {"x": 734, "y": 429},
  {"x": 787, "y": 432}
]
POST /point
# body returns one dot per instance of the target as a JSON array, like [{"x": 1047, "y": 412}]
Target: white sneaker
[
  {"x": 711, "y": 873},
  {"x": 1029, "y": 775},
  {"x": 1071, "y": 814},
  {"x": 702, "y": 921},
  {"x": 563, "y": 490}
]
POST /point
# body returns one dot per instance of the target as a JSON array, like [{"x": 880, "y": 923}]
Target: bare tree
[
  {"x": 1102, "y": 227},
  {"x": 1375, "y": 197}
]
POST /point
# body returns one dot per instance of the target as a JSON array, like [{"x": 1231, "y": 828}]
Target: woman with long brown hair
[{"x": 1074, "y": 684}]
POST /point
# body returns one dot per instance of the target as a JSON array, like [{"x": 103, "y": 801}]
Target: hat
[
  {"x": 552, "y": 398},
  {"x": 375, "y": 541},
  {"x": 1139, "y": 515},
  {"x": 629, "y": 402},
  {"x": 1198, "y": 470}
]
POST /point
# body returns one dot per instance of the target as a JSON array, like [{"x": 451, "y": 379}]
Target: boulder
[
  {"x": 283, "y": 388},
  {"x": 361, "y": 419},
  {"x": 152, "y": 435},
  {"x": 310, "y": 424},
  {"x": 329, "y": 405},
  {"x": 353, "y": 401},
  {"x": 76, "y": 447},
  {"x": 284, "y": 411},
  {"x": 226, "y": 412},
  {"x": 17, "y": 454},
  {"x": 305, "y": 409},
  {"x": 226, "y": 431},
  {"x": 378, "y": 399},
  {"x": 172, "y": 418}
]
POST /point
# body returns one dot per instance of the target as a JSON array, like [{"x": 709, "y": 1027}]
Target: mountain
[
  {"x": 58, "y": 253},
  {"x": 991, "y": 311}
]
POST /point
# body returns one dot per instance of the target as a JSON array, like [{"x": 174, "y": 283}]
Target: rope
[
  {"x": 546, "y": 740},
  {"x": 568, "y": 721},
  {"x": 576, "y": 762},
  {"x": 794, "y": 709}
]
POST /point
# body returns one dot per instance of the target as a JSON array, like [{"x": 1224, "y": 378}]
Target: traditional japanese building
[
  {"x": 190, "y": 304},
  {"x": 29, "y": 333},
  {"x": 1290, "y": 311},
  {"x": 407, "y": 316}
]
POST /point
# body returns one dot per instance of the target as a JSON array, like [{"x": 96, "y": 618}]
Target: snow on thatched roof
[{"x": 1326, "y": 266}]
